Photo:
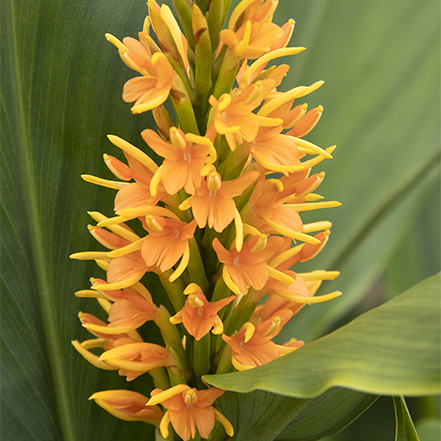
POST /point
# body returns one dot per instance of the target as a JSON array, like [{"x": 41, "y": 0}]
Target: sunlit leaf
[{"x": 392, "y": 349}]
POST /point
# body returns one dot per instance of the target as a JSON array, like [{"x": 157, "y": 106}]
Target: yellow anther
[
  {"x": 218, "y": 327},
  {"x": 192, "y": 288},
  {"x": 194, "y": 301},
  {"x": 223, "y": 102},
  {"x": 249, "y": 331},
  {"x": 153, "y": 224},
  {"x": 291, "y": 21},
  {"x": 190, "y": 397},
  {"x": 274, "y": 327},
  {"x": 214, "y": 181},
  {"x": 260, "y": 244},
  {"x": 177, "y": 139},
  {"x": 207, "y": 168}
]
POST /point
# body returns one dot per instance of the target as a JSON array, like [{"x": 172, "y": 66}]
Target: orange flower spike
[
  {"x": 183, "y": 160},
  {"x": 247, "y": 267},
  {"x": 213, "y": 203},
  {"x": 127, "y": 405},
  {"x": 198, "y": 314},
  {"x": 189, "y": 410},
  {"x": 252, "y": 346},
  {"x": 166, "y": 242}
]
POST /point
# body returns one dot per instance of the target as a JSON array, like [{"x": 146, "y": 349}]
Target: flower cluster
[{"x": 218, "y": 219}]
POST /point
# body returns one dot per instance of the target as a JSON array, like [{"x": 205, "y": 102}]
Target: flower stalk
[{"x": 216, "y": 228}]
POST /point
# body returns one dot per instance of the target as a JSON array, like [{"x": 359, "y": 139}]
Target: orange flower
[
  {"x": 125, "y": 271},
  {"x": 213, "y": 202},
  {"x": 127, "y": 313},
  {"x": 255, "y": 36},
  {"x": 135, "y": 359},
  {"x": 252, "y": 345},
  {"x": 183, "y": 161},
  {"x": 198, "y": 314},
  {"x": 271, "y": 149},
  {"x": 166, "y": 242},
  {"x": 153, "y": 87},
  {"x": 248, "y": 267},
  {"x": 127, "y": 405},
  {"x": 189, "y": 409},
  {"x": 234, "y": 117}
]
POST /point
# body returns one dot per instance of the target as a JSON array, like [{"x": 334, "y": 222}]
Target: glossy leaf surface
[{"x": 392, "y": 349}]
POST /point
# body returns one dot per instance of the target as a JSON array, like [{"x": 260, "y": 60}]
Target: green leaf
[
  {"x": 392, "y": 349},
  {"x": 327, "y": 414},
  {"x": 405, "y": 430},
  {"x": 261, "y": 416}
]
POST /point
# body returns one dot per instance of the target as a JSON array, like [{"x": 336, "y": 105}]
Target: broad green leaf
[
  {"x": 327, "y": 414},
  {"x": 405, "y": 430},
  {"x": 392, "y": 349},
  {"x": 259, "y": 415}
]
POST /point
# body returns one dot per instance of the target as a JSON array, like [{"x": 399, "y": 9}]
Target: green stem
[
  {"x": 195, "y": 266},
  {"x": 183, "y": 9},
  {"x": 160, "y": 378},
  {"x": 242, "y": 312},
  {"x": 227, "y": 74},
  {"x": 201, "y": 359},
  {"x": 175, "y": 290},
  {"x": 221, "y": 290}
]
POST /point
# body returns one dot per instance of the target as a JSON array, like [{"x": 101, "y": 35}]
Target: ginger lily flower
[
  {"x": 135, "y": 359},
  {"x": 153, "y": 87},
  {"x": 184, "y": 158},
  {"x": 248, "y": 267},
  {"x": 198, "y": 314},
  {"x": 252, "y": 345},
  {"x": 213, "y": 202},
  {"x": 127, "y": 405},
  {"x": 189, "y": 409}
]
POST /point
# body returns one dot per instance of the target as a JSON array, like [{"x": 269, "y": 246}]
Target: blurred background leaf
[{"x": 61, "y": 96}]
